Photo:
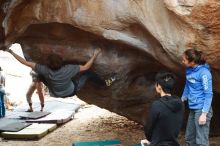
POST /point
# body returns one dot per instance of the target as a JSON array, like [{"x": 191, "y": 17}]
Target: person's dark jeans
[
  {"x": 80, "y": 82},
  {"x": 197, "y": 135}
]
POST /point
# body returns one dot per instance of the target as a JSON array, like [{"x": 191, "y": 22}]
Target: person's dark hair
[
  {"x": 55, "y": 62},
  {"x": 166, "y": 80},
  {"x": 194, "y": 55}
]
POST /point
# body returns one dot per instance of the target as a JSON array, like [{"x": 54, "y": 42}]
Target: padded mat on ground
[
  {"x": 61, "y": 112},
  {"x": 34, "y": 131},
  {"x": 12, "y": 125},
  {"x": 98, "y": 143},
  {"x": 50, "y": 106},
  {"x": 137, "y": 144},
  {"x": 34, "y": 115},
  {"x": 58, "y": 117},
  {"x": 25, "y": 115}
]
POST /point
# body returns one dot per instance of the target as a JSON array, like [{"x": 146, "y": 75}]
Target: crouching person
[{"x": 166, "y": 114}]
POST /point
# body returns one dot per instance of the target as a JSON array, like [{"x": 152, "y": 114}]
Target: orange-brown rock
[{"x": 138, "y": 39}]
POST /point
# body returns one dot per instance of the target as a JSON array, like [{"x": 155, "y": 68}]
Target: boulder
[{"x": 138, "y": 38}]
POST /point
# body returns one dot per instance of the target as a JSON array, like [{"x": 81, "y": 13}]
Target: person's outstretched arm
[
  {"x": 90, "y": 62},
  {"x": 22, "y": 60}
]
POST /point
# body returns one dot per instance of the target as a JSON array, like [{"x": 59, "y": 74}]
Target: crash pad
[
  {"x": 114, "y": 142},
  {"x": 50, "y": 106},
  {"x": 34, "y": 115},
  {"x": 58, "y": 117},
  {"x": 32, "y": 132},
  {"x": 12, "y": 125}
]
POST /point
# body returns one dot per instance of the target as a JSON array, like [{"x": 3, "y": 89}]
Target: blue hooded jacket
[{"x": 198, "y": 87}]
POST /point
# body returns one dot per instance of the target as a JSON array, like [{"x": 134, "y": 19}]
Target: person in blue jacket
[{"x": 198, "y": 92}]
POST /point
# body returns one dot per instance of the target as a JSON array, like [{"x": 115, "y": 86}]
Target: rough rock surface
[{"x": 138, "y": 38}]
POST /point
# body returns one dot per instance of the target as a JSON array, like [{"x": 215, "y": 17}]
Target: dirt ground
[{"x": 93, "y": 123}]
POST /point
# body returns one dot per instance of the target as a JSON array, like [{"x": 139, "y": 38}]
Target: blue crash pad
[{"x": 98, "y": 143}]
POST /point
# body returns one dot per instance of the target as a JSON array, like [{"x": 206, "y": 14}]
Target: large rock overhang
[{"x": 138, "y": 39}]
